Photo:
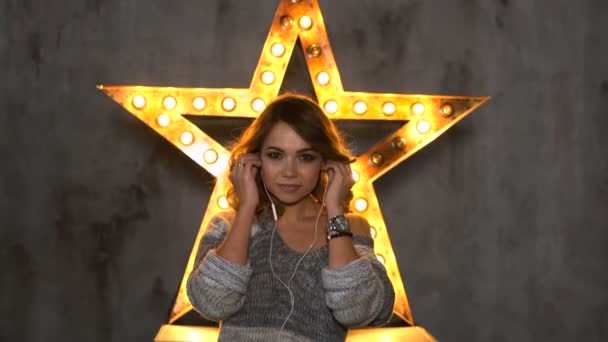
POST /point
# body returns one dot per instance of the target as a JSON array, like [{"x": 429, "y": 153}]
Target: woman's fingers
[
  {"x": 243, "y": 176},
  {"x": 341, "y": 171},
  {"x": 340, "y": 180},
  {"x": 248, "y": 160}
]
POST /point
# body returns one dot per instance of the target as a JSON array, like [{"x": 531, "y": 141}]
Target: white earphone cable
[{"x": 310, "y": 247}]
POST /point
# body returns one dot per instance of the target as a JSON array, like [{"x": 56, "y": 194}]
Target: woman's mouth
[{"x": 289, "y": 187}]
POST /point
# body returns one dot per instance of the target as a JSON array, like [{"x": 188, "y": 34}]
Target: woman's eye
[
  {"x": 307, "y": 157},
  {"x": 274, "y": 155}
]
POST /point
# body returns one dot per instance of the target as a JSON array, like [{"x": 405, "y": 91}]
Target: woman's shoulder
[
  {"x": 223, "y": 220},
  {"x": 226, "y": 216},
  {"x": 358, "y": 224},
  {"x": 218, "y": 224}
]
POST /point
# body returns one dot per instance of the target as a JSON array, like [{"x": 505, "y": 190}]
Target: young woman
[{"x": 289, "y": 263}]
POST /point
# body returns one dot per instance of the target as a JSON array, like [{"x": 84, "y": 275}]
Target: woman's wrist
[
  {"x": 247, "y": 208},
  {"x": 334, "y": 211},
  {"x": 245, "y": 214}
]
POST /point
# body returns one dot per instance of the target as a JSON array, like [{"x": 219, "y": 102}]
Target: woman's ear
[{"x": 327, "y": 168}]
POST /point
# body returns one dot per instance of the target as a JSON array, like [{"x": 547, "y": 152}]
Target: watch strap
[{"x": 332, "y": 234}]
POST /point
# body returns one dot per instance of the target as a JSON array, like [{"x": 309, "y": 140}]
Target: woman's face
[{"x": 290, "y": 166}]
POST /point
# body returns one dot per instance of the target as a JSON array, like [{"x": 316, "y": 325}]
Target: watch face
[{"x": 341, "y": 224}]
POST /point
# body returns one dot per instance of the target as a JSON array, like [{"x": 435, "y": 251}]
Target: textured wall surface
[{"x": 499, "y": 227}]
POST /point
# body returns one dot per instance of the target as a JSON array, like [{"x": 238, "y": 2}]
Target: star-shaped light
[{"x": 427, "y": 117}]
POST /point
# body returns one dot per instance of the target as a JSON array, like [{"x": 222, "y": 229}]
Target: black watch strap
[{"x": 332, "y": 234}]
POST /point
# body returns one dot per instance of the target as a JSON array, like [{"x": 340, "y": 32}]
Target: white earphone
[{"x": 286, "y": 284}]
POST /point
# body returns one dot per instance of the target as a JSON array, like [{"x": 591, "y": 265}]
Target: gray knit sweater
[{"x": 252, "y": 304}]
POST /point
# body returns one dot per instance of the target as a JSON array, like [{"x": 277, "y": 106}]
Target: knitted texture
[{"x": 252, "y": 304}]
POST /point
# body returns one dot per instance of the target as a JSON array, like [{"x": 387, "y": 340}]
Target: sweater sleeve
[
  {"x": 216, "y": 287},
  {"x": 360, "y": 293}
]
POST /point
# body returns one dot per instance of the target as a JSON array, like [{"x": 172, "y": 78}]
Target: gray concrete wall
[{"x": 499, "y": 227}]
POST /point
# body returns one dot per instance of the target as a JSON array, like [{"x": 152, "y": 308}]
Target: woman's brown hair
[{"x": 305, "y": 117}]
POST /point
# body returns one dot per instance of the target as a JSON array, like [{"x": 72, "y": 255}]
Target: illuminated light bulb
[
  {"x": 169, "y": 103},
  {"x": 277, "y": 49},
  {"x": 286, "y": 22},
  {"x": 360, "y": 107},
  {"x": 139, "y": 101},
  {"x": 222, "y": 202},
  {"x": 313, "y": 51},
  {"x": 423, "y": 126},
  {"x": 210, "y": 156},
  {"x": 268, "y": 77},
  {"x": 417, "y": 108},
  {"x": 323, "y": 78},
  {"x": 380, "y": 258},
  {"x": 376, "y": 159},
  {"x": 398, "y": 143},
  {"x": 258, "y": 104},
  {"x": 372, "y": 232},
  {"x": 186, "y": 138},
  {"x": 360, "y": 204},
  {"x": 228, "y": 103},
  {"x": 446, "y": 110},
  {"x": 199, "y": 103},
  {"x": 355, "y": 176},
  {"x": 163, "y": 120},
  {"x": 331, "y": 106},
  {"x": 305, "y": 22},
  {"x": 389, "y": 108}
]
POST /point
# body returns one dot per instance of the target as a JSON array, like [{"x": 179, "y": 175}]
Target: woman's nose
[{"x": 290, "y": 168}]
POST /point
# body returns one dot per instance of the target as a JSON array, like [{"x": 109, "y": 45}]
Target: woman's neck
[{"x": 304, "y": 209}]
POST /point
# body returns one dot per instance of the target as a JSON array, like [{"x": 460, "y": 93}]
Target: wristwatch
[
  {"x": 338, "y": 226},
  {"x": 338, "y": 223}
]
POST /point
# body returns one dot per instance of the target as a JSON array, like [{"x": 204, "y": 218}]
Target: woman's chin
[{"x": 290, "y": 200}]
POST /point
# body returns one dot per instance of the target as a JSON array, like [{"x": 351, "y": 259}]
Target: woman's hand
[
  {"x": 339, "y": 183},
  {"x": 243, "y": 177}
]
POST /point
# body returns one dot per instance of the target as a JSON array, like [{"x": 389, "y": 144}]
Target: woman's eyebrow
[{"x": 307, "y": 149}]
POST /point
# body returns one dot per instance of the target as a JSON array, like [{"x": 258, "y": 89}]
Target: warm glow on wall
[{"x": 426, "y": 117}]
